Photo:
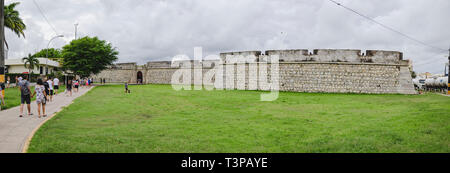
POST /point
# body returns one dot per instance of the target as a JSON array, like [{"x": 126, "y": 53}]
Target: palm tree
[
  {"x": 30, "y": 63},
  {"x": 13, "y": 20}
]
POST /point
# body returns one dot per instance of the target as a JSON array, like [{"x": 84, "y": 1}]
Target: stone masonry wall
[
  {"x": 117, "y": 76},
  {"x": 328, "y": 71},
  {"x": 339, "y": 78}
]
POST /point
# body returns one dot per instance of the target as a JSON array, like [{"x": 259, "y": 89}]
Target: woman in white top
[{"x": 50, "y": 85}]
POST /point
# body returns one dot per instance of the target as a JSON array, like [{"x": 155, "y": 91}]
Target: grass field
[
  {"x": 155, "y": 118},
  {"x": 12, "y": 96}
]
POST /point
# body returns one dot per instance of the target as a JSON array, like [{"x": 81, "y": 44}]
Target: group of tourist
[
  {"x": 75, "y": 85},
  {"x": 102, "y": 81},
  {"x": 44, "y": 92}
]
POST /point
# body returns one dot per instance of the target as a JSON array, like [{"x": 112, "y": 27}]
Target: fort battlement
[
  {"x": 300, "y": 70},
  {"x": 326, "y": 55}
]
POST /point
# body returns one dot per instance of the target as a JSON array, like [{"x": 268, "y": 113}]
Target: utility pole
[
  {"x": 2, "y": 44},
  {"x": 76, "y": 30}
]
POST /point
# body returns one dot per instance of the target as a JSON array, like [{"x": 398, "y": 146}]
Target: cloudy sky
[{"x": 147, "y": 30}]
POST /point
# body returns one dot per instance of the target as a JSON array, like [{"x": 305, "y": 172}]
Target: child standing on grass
[
  {"x": 126, "y": 88},
  {"x": 39, "y": 92}
]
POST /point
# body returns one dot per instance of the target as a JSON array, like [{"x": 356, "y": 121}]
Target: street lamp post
[
  {"x": 48, "y": 45},
  {"x": 46, "y": 54}
]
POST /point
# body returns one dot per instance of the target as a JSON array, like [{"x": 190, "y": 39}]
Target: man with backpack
[{"x": 25, "y": 95}]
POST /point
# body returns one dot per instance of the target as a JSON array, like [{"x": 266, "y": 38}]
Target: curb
[
  {"x": 30, "y": 137},
  {"x": 27, "y": 142}
]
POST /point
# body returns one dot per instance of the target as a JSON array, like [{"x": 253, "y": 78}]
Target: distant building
[
  {"x": 427, "y": 75},
  {"x": 45, "y": 67}
]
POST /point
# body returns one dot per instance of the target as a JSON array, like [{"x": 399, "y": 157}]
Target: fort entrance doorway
[{"x": 140, "y": 77}]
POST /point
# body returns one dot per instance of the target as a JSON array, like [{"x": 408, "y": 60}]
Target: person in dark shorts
[
  {"x": 25, "y": 95},
  {"x": 55, "y": 86},
  {"x": 50, "y": 85},
  {"x": 126, "y": 88},
  {"x": 76, "y": 85},
  {"x": 47, "y": 89},
  {"x": 69, "y": 87}
]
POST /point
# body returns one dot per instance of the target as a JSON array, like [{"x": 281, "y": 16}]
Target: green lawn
[
  {"x": 12, "y": 96},
  {"x": 155, "y": 118}
]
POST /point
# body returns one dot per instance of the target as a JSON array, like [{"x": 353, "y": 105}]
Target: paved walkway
[{"x": 15, "y": 131}]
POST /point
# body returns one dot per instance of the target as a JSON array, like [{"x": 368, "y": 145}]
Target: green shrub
[{"x": 13, "y": 76}]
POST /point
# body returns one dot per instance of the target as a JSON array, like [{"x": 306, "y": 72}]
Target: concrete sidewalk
[{"x": 15, "y": 131}]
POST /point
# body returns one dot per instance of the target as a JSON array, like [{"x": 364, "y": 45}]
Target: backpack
[
  {"x": 3, "y": 86},
  {"x": 46, "y": 86},
  {"x": 24, "y": 88}
]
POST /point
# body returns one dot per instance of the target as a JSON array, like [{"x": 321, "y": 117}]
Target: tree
[
  {"x": 30, "y": 63},
  {"x": 52, "y": 53},
  {"x": 413, "y": 74},
  {"x": 13, "y": 20},
  {"x": 88, "y": 55}
]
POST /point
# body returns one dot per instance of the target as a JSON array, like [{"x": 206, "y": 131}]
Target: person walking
[
  {"x": 47, "y": 89},
  {"x": 126, "y": 88},
  {"x": 76, "y": 85},
  {"x": 69, "y": 87},
  {"x": 39, "y": 92},
  {"x": 2, "y": 101},
  {"x": 55, "y": 85},
  {"x": 8, "y": 82},
  {"x": 25, "y": 95},
  {"x": 18, "y": 80},
  {"x": 50, "y": 86}
]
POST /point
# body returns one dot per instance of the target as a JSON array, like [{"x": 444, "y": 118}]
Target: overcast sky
[{"x": 149, "y": 30}]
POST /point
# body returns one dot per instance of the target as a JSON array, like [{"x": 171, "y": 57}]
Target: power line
[
  {"x": 387, "y": 27},
  {"x": 425, "y": 63},
  {"x": 45, "y": 17}
]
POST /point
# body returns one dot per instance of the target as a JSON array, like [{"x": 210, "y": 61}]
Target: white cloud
[{"x": 146, "y": 30}]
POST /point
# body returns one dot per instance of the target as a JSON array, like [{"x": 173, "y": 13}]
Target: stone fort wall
[{"x": 322, "y": 70}]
